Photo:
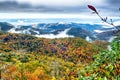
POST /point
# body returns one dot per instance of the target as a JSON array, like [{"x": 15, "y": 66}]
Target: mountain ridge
[{"x": 94, "y": 32}]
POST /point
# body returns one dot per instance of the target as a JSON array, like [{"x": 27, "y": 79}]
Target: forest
[{"x": 25, "y": 57}]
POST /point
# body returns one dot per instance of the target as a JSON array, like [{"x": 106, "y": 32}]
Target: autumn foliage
[{"x": 24, "y": 57}]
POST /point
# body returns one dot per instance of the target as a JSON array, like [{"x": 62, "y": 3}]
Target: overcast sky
[{"x": 106, "y": 7}]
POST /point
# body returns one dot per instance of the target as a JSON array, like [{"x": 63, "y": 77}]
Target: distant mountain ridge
[
  {"x": 94, "y": 32},
  {"x": 4, "y": 26}
]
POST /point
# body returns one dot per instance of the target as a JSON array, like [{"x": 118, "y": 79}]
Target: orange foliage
[{"x": 38, "y": 74}]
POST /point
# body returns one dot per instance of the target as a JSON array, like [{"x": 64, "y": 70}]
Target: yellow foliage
[
  {"x": 53, "y": 78},
  {"x": 67, "y": 71},
  {"x": 38, "y": 74}
]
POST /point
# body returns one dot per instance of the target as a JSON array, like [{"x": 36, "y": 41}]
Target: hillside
[
  {"x": 67, "y": 48},
  {"x": 25, "y": 57}
]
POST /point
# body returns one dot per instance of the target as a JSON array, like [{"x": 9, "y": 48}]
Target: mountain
[
  {"x": 79, "y": 32},
  {"x": 4, "y": 26},
  {"x": 64, "y": 48},
  {"x": 23, "y": 56},
  {"x": 56, "y": 30},
  {"x": 107, "y": 34}
]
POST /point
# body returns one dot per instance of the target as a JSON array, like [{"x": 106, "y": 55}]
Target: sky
[{"x": 57, "y": 8}]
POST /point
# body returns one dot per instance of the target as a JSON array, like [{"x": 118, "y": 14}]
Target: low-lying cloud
[{"x": 62, "y": 34}]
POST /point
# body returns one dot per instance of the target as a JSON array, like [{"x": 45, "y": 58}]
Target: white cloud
[
  {"x": 78, "y": 18},
  {"x": 62, "y": 34},
  {"x": 88, "y": 39},
  {"x": 6, "y": 0},
  {"x": 99, "y": 31},
  {"x": 13, "y": 31},
  {"x": 117, "y": 23},
  {"x": 62, "y": 2},
  {"x": 46, "y": 15}
]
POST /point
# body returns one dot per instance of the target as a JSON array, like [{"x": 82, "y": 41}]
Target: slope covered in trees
[
  {"x": 24, "y": 57},
  {"x": 69, "y": 49}
]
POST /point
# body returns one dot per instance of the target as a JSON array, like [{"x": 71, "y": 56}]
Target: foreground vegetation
[{"x": 24, "y": 57}]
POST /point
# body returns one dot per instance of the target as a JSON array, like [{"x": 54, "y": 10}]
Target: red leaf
[{"x": 92, "y": 8}]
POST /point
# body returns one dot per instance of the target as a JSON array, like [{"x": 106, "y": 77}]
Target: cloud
[
  {"x": 99, "y": 31},
  {"x": 47, "y": 15},
  {"x": 106, "y": 7},
  {"x": 57, "y": 2},
  {"x": 117, "y": 23},
  {"x": 62, "y": 6},
  {"x": 114, "y": 2},
  {"x": 12, "y": 6},
  {"x": 62, "y": 34}
]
